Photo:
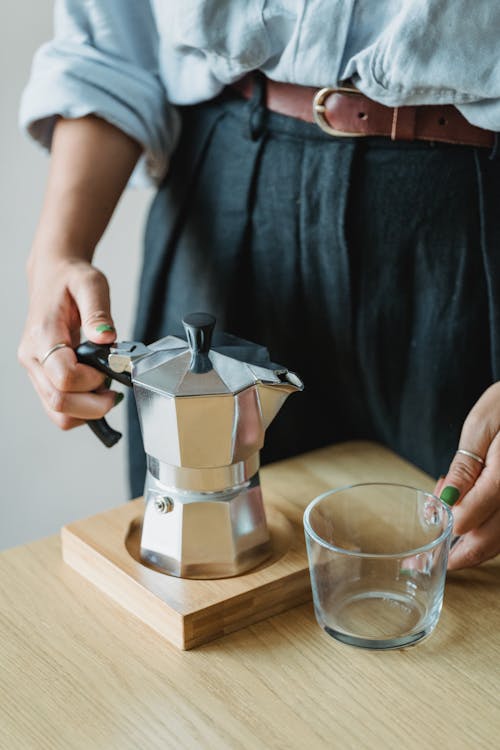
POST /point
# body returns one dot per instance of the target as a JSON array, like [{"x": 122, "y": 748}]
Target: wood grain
[
  {"x": 105, "y": 549},
  {"x": 78, "y": 672}
]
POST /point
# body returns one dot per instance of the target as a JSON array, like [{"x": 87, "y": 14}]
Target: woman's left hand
[{"x": 473, "y": 487}]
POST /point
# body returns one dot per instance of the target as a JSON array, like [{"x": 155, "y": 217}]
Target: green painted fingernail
[
  {"x": 107, "y": 383},
  {"x": 450, "y": 495},
  {"x": 118, "y": 398},
  {"x": 104, "y": 328}
]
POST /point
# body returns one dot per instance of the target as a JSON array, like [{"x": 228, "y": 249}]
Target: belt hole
[
  {"x": 443, "y": 121},
  {"x": 362, "y": 116}
]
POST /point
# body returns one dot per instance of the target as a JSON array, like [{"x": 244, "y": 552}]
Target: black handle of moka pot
[
  {"x": 199, "y": 328},
  {"x": 96, "y": 355}
]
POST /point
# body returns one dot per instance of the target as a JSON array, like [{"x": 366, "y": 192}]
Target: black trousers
[{"x": 370, "y": 268}]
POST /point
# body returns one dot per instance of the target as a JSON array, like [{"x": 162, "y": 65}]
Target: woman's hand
[
  {"x": 473, "y": 488},
  {"x": 90, "y": 165},
  {"x": 66, "y": 295}
]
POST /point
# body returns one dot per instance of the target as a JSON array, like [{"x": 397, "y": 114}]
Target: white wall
[{"x": 48, "y": 477}]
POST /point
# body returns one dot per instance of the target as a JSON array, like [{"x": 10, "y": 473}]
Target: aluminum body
[
  {"x": 204, "y": 535},
  {"x": 203, "y": 423}
]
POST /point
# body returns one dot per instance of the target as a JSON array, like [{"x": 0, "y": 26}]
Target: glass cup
[{"x": 377, "y": 559}]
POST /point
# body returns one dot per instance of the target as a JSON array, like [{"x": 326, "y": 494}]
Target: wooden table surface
[{"x": 77, "y": 671}]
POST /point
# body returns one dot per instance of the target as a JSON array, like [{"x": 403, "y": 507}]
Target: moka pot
[{"x": 203, "y": 413}]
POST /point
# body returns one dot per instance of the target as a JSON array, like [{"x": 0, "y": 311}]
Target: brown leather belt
[{"x": 346, "y": 112}]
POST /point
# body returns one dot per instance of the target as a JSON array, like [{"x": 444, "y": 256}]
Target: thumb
[{"x": 90, "y": 290}]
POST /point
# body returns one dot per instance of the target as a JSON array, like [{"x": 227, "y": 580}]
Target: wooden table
[{"x": 77, "y": 671}]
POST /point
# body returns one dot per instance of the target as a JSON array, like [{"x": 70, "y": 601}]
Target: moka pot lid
[{"x": 175, "y": 367}]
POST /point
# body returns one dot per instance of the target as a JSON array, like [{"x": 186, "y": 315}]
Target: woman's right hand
[
  {"x": 66, "y": 295},
  {"x": 90, "y": 164}
]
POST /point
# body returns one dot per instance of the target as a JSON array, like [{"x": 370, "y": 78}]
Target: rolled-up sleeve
[{"x": 103, "y": 60}]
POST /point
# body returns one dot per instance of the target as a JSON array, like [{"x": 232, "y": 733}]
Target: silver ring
[
  {"x": 471, "y": 455},
  {"x": 53, "y": 349}
]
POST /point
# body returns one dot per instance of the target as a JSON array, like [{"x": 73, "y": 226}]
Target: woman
[{"x": 368, "y": 264}]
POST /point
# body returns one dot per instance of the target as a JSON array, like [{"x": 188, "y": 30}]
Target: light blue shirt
[{"x": 131, "y": 61}]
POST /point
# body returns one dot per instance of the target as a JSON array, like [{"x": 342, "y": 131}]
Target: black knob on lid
[{"x": 199, "y": 328}]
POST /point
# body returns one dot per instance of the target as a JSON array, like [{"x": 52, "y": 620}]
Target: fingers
[
  {"x": 473, "y": 487},
  {"x": 478, "y": 545},
  {"x": 482, "y": 500},
  {"x": 463, "y": 473},
  {"x": 90, "y": 291},
  {"x": 464, "y": 470},
  {"x": 61, "y": 367},
  {"x": 60, "y": 420},
  {"x": 67, "y": 374},
  {"x": 68, "y": 295},
  {"x": 82, "y": 406}
]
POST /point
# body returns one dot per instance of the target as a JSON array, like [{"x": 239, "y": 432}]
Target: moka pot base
[
  {"x": 200, "y": 534},
  {"x": 105, "y": 549}
]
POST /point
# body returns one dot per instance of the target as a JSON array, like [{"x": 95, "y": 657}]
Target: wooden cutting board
[{"x": 105, "y": 549}]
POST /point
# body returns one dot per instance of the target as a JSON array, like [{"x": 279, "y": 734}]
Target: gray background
[{"x": 48, "y": 477}]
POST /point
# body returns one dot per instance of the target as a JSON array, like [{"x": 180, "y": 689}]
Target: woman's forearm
[{"x": 90, "y": 165}]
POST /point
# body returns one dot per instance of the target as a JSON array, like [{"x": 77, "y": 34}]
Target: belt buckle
[{"x": 319, "y": 109}]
